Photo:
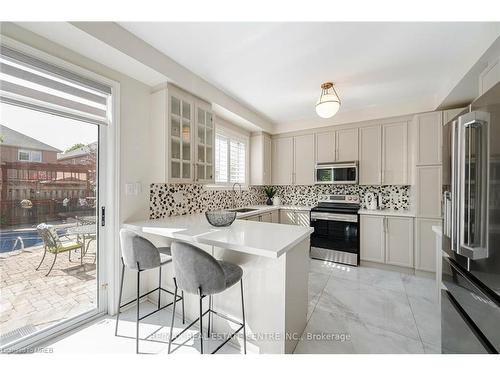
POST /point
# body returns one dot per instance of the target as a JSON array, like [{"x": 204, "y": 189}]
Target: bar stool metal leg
[
  {"x": 201, "y": 321},
  {"x": 210, "y": 320},
  {"x": 120, "y": 298},
  {"x": 243, "y": 314},
  {"x": 183, "y": 316},
  {"x": 159, "y": 287},
  {"x": 138, "y": 310},
  {"x": 173, "y": 317}
]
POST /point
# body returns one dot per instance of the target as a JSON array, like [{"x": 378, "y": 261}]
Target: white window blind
[
  {"x": 237, "y": 162},
  {"x": 221, "y": 159},
  {"x": 29, "y": 82},
  {"x": 230, "y": 160}
]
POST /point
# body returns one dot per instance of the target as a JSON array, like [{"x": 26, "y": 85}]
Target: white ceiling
[{"x": 379, "y": 69}]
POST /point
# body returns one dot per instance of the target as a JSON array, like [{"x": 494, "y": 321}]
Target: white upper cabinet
[
  {"x": 325, "y": 147},
  {"x": 182, "y": 137},
  {"x": 260, "y": 159},
  {"x": 282, "y": 161},
  {"x": 346, "y": 145},
  {"x": 303, "y": 160},
  {"x": 429, "y": 133},
  {"x": 293, "y": 160},
  {"x": 340, "y": 145},
  {"x": 370, "y": 155},
  {"x": 383, "y": 154},
  {"x": 395, "y": 154},
  {"x": 205, "y": 150}
]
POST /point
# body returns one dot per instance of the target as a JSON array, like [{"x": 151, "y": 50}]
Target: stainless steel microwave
[{"x": 337, "y": 173}]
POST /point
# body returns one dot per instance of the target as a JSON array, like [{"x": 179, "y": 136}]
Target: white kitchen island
[{"x": 275, "y": 262}]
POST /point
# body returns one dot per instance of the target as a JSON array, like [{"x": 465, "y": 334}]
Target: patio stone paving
[{"x": 31, "y": 301}]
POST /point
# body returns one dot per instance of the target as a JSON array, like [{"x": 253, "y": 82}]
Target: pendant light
[{"x": 329, "y": 102}]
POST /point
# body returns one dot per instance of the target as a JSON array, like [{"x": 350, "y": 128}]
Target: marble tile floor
[
  {"x": 369, "y": 310},
  {"x": 351, "y": 310}
]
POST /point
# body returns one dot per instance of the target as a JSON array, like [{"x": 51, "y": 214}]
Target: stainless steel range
[{"x": 336, "y": 229}]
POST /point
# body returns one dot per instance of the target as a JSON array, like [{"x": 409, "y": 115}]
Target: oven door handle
[{"x": 334, "y": 217}]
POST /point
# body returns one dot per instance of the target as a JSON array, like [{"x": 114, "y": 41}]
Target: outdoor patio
[{"x": 31, "y": 301}]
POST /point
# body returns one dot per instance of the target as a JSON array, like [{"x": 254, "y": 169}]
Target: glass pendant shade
[{"x": 329, "y": 102}]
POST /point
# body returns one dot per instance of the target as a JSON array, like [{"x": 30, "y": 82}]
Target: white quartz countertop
[
  {"x": 387, "y": 212},
  {"x": 251, "y": 237}
]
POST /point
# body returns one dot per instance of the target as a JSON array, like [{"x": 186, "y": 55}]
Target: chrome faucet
[{"x": 234, "y": 193}]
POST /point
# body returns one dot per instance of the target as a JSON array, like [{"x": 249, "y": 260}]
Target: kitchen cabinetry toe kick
[{"x": 334, "y": 256}]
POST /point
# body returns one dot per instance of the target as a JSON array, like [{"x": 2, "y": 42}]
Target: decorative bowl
[{"x": 220, "y": 218}]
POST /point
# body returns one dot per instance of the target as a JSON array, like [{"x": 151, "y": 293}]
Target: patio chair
[
  {"x": 87, "y": 220},
  {"x": 53, "y": 244}
]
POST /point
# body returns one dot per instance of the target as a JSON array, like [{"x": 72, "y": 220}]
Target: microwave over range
[{"x": 337, "y": 173}]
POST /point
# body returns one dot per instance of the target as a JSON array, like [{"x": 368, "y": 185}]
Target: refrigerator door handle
[
  {"x": 447, "y": 215},
  {"x": 454, "y": 187},
  {"x": 473, "y": 187}
]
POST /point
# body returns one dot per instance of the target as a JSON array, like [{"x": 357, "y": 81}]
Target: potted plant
[{"x": 270, "y": 192}]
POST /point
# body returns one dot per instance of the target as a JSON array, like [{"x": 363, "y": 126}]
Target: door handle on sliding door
[{"x": 473, "y": 152}]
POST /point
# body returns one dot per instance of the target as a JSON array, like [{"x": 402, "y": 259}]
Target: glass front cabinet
[
  {"x": 204, "y": 153},
  {"x": 190, "y": 138}
]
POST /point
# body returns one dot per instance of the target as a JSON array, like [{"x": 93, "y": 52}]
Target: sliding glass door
[{"x": 53, "y": 127}]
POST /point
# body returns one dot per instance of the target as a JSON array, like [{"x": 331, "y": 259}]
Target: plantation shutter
[
  {"x": 237, "y": 161},
  {"x": 221, "y": 159},
  {"x": 29, "y": 82}
]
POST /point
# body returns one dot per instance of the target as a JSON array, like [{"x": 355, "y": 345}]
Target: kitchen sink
[{"x": 244, "y": 210}]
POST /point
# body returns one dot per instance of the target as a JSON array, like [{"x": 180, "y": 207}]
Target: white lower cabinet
[
  {"x": 267, "y": 217},
  {"x": 252, "y": 218},
  {"x": 387, "y": 239},
  {"x": 425, "y": 248},
  {"x": 294, "y": 217},
  {"x": 372, "y": 238},
  {"x": 399, "y": 241},
  {"x": 287, "y": 217}
]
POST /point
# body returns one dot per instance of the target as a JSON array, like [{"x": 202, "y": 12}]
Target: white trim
[{"x": 109, "y": 261}]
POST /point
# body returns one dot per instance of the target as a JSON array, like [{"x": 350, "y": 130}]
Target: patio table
[{"x": 87, "y": 232}]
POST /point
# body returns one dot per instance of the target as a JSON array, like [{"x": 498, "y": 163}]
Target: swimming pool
[{"x": 29, "y": 238}]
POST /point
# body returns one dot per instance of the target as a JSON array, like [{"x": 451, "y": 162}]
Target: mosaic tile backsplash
[{"x": 182, "y": 199}]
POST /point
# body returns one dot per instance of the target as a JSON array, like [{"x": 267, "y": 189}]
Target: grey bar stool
[
  {"x": 197, "y": 272},
  {"x": 139, "y": 254}
]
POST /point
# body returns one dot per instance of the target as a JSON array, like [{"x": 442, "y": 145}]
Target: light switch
[
  {"x": 129, "y": 188},
  {"x": 133, "y": 188}
]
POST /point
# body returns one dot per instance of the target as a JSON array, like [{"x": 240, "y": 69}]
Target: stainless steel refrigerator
[{"x": 470, "y": 295}]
